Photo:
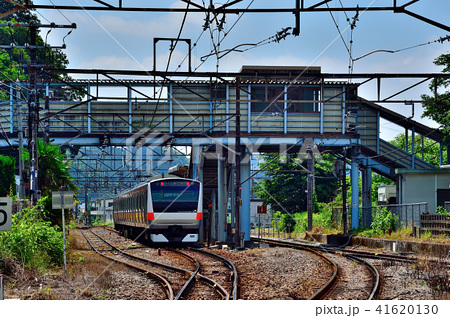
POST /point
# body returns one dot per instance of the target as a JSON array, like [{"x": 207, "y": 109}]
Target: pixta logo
[{"x": 144, "y": 150}]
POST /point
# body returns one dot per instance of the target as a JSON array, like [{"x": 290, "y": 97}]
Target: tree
[
  {"x": 21, "y": 15},
  {"x": 11, "y": 59},
  {"x": 285, "y": 183},
  {"x": 430, "y": 148},
  {"x": 7, "y": 178},
  {"x": 437, "y": 106},
  {"x": 54, "y": 169},
  {"x": 54, "y": 173}
]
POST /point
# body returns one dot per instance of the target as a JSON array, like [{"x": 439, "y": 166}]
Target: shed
[{"x": 432, "y": 186}]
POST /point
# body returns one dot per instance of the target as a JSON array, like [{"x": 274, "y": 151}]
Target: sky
[{"x": 124, "y": 40}]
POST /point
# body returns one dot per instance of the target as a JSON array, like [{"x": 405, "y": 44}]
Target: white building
[{"x": 102, "y": 210}]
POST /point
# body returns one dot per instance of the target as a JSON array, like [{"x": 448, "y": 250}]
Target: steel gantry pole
[
  {"x": 237, "y": 235},
  {"x": 310, "y": 186},
  {"x": 33, "y": 117},
  {"x": 33, "y": 95}
]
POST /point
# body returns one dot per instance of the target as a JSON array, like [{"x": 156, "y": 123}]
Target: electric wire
[{"x": 440, "y": 40}]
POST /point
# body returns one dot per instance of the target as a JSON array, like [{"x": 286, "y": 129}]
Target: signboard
[
  {"x": 5, "y": 214},
  {"x": 262, "y": 209},
  {"x": 62, "y": 199}
]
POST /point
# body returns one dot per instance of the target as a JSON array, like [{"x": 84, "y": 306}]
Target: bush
[
  {"x": 440, "y": 210},
  {"x": 283, "y": 222},
  {"x": 298, "y": 222},
  {"x": 383, "y": 220},
  {"x": 32, "y": 242}
]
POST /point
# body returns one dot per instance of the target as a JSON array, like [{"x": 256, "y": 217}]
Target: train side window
[{"x": 140, "y": 207}]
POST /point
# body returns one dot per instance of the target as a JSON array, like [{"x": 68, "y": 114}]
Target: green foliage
[
  {"x": 12, "y": 59},
  {"x": 54, "y": 172},
  {"x": 32, "y": 242},
  {"x": 426, "y": 235},
  {"x": 437, "y": 106},
  {"x": 285, "y": 183},
  {"x": 284, "y": 222},
  {"x": 298, "y": 222},
  {"x": 440, "y": 210},
  {"x": 54, "y": 169},
  {"x": 21, "y": 15},
  {"x": 383, "y": 219},
  {"x": 7, "y": 178},
  {"x": 10, "y": 70},
  {"x": 429, "y": 148}
]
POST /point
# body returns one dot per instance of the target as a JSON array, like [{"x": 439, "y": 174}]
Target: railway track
[
  {"x": 185, "y": 282},
  {"x": 100, "y": 247},
  {"x": 220, "y": 267},
  {"x": 352, "y": 277}
]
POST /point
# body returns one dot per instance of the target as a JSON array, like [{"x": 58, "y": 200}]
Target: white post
[
  {"x": 1, "y": 287},
  {"x": 64, "y": 233}
]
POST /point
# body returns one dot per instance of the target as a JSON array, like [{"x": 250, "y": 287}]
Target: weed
[
  {"x": 32, "y": 242},
  {"x": 426, "y": 235},
  {"x": 383, "y": 220}
]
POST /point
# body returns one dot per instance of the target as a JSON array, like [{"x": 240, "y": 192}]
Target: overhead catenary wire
[{"x": 440, "y": 40}]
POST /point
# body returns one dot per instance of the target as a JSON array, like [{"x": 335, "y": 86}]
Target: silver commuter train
[{"x": 162, "y": 209}]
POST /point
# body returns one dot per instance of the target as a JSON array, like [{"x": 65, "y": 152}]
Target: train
[{"x": 163, "y": 209}]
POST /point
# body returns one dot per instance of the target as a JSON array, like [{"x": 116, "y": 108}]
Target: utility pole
[
  {"x": 33, "y": 97},
  {"x": 344, "y": 192},
  {"x": 47, "y": 113},
  {"x": 237, "y": 236},
  {"x": 20, "y": 142},
  {"x": 310, "y": 187},
  {"x": 33, "y": 117}
]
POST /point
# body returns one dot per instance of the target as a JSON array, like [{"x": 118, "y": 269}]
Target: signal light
[
  {"x": 187, "y": 183},
  {"x": 162, "y": 183}
]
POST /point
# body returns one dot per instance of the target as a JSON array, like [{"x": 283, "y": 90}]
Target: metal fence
[
  {"x": 408, "y": 215},
  {"x": 275, "y": 230}
]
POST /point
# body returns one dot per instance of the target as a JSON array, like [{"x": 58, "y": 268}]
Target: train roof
[{"x": 157, "y": 177}]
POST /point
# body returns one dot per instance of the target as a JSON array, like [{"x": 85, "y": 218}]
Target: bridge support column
[
  {"x": 355, "y": 191},
  {"x": 366, "y": 197},
  {"x": 213, "y": 216},
  {"x": 221, "y": 200},
  {"x": 245, "y": 198},
  {"x": 448, "y": 152}
]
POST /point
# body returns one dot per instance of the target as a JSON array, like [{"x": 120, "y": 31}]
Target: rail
[
  {"x": 166, "y": 285},
  {"x": 230, "y": 265},
  {"x": 320, "y": 249},
  {"x": 186, "y": 286}
]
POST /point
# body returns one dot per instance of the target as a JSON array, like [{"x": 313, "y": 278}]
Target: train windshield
[{"x": 175, "y": 196}]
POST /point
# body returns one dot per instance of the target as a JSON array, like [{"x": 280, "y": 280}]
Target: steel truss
[
  {"x": 92, "y": 165},
  {"x": 102, "y": 167},
  {"x": 298, "y": 7}
]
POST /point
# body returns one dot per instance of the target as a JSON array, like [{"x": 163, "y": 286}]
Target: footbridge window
[{"x": 272, "y": 99}]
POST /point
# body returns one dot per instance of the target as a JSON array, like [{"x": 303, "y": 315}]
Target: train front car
[{"x": 175, "y": 210}]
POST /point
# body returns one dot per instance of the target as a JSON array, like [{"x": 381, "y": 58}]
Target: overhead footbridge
[{"x": 123, "y": 131}]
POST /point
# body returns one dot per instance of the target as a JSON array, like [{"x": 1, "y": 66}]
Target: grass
[{"x": 404, "y": 234}]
